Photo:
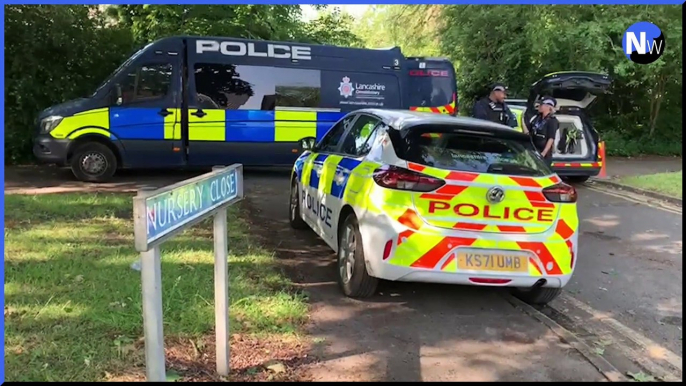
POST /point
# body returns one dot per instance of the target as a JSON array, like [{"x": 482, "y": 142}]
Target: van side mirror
[
  {"x": 308, "y": 143},
  {"x": 117, "y": 95}
]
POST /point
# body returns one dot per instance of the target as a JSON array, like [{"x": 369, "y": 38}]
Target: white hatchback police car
[{"x": 424, "y": 197}]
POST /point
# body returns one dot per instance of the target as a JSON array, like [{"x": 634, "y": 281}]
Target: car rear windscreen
[{"x": 473, "y": 153}]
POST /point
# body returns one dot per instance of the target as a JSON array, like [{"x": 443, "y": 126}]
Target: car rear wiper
[{"x": 504, "y": 168}]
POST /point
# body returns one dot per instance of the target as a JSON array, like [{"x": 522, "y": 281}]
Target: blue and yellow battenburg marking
[
  {"x": 329, "y": 173},
  {"x": 129, "y": 123},
  {"x": 334, "y": 175}
]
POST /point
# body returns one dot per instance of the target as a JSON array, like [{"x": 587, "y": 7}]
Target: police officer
[
  {"x": 542, "y": 127},
  {"x": 493, "y": 108}
]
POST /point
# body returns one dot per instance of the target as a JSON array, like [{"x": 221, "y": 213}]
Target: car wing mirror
[{"x": 308, "y": 143}]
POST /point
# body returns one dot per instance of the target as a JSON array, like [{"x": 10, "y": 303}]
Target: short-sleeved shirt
[{"x": 542, "y": 129}]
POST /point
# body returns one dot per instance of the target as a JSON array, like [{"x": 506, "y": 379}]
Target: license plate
[{"x": 492, "y": 261}]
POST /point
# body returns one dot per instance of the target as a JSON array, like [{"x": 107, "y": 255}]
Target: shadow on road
[
  {"x": 407, "y": 332},
  {"x": 51, "y": 179}
]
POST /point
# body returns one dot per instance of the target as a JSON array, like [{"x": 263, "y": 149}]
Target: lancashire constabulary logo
[
  {"x": 643, "y": 42},
  {"x": 346, "y": 88}
]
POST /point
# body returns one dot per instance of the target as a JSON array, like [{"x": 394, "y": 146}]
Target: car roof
[{"x": 406, "y": 120}]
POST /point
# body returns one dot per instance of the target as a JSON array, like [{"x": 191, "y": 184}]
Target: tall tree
[
  {"x": 519, "y": 44},
  {"x": 53, "y": 53}
]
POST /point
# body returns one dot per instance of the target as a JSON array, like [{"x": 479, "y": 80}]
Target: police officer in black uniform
[
  {"x": 542, "y": 127},
  {"x": 493, "y": 108}
]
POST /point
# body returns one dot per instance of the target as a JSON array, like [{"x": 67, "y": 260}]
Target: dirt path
[
  {"x": 50, "y": 179},
  {"x": 408, "y": 332}
]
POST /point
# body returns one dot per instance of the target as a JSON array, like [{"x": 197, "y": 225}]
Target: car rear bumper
[
  {"x": 390, "y": 254},
  {"x": 394, "y": 273},
  {"x": 50, "y": 150}
]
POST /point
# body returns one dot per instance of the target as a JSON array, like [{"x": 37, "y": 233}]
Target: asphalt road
[
  {"x": 624, "y": 300},
  {"x": 627, "y": 287}
]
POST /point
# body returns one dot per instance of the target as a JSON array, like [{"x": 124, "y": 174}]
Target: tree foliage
[
  {"x": 519, "y": 44},
  {"x": 55, "y": 53},
  {"x": 52, "y": 54},
  {"x": 412, "y": 27}
]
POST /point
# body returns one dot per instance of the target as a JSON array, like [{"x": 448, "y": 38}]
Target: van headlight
[{"x": 49, "y": 123}]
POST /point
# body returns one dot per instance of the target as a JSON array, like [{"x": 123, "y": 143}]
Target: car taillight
[
  {"x": 387, "y": 249},
  {"x": 394, "y": 177},
  {"x": 560, "y": 193}
]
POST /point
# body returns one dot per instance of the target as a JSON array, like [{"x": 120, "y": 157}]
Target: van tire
[
  {"x": 97, "y": 157},
  {"x": 539, "y": 296},
  {"x": 294, "y": 217},
  {"x": 361, "y": 285}
]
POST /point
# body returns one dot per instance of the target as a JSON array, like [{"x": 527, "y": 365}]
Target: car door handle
[
  {"x": 164, "y": 112},
  {"x": 199, "y": 113}
]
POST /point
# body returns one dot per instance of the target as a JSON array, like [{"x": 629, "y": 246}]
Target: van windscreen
[{"x": 431, "y": 91}]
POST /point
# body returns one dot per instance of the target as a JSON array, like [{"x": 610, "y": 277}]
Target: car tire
[
  {"x": 353, "y": 277},
  {"x": 539, "y": 296},
  {"x": 93, "y": 162},
  {"x": 577, "y": 179},
  {"x": 294, "y": 217}
]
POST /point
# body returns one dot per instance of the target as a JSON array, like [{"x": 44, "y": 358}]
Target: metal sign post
[{"x": 163, "y": 213}]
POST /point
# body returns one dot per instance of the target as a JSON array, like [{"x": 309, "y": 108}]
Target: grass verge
[
  {"x": 73, "y": 303},
  {"x": 665, "y": 183}
]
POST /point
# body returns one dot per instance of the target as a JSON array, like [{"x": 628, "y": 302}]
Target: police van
[
  {"x": 202, "y": 101},
  {"x": 577, "y": 152},
  {"x": 432, "y": 85}
]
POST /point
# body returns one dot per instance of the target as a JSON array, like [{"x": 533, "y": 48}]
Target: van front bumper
[{"x": 50, "y": 150}]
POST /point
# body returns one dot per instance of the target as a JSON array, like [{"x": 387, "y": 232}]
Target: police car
[
  {"x": 421, "y": 197},
  {"x": 577, "y": 150}
]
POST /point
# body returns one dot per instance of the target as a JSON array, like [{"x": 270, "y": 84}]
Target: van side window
[
  {"x": 238, "y": 87},
  {"x": 146, "y": 83}
]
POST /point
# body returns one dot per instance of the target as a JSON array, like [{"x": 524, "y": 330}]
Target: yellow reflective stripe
[
  {"x": 171, "y": 129},
  {"x": 580, "y": 165},
  {"x": 292, "y": 126},
  {"x": 451, "y": 266},
  {"x": 285, "y": 131},
  {"x": 90, "y": 130},
  {"x": 358, "y": 184},
  {"x": 211, "y": 127},
  {"x": 413, "y": 248},
  {"x": 518, "y": 115},
  {"x": 307, "y": 170},
  {"x": 91, "y": 118},
  {"x": 568, "y": 214},
  {"x": 560, "y": 253},
  {"x": 328, "y": 173}
]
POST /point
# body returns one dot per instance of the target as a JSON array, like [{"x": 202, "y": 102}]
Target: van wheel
[
  {"x": 294, "y": 217},
  {"x": 353, "y": 277},
  {"x": 539, "y": 296},
  {"x": 93, "y": 162}
]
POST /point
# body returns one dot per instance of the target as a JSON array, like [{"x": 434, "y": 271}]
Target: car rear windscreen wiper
[{"x": 504, "y": 168}]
